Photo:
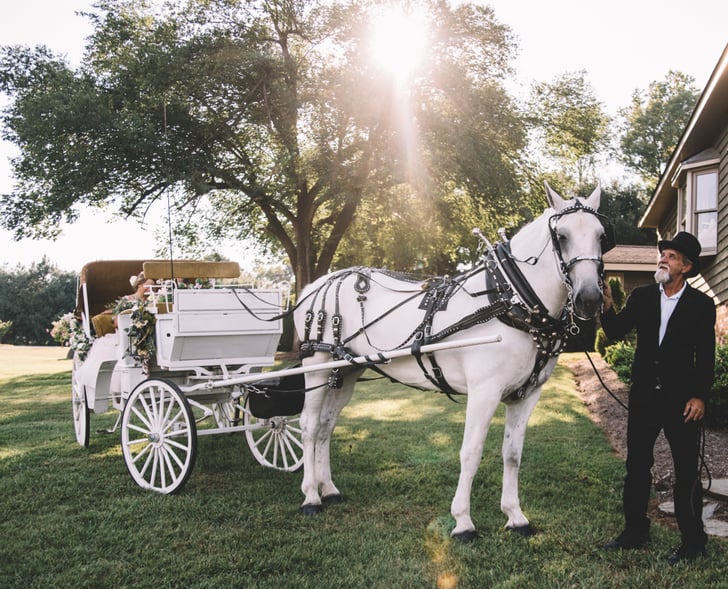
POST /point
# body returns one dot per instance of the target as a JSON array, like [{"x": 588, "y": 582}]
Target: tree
[
  {"x": 653, "y": 123},
  {"x": 571, "y": 122},
  {"x": 263, "y": 118},
  {"x": 31, "y": 299},
  {"x": 623, "y": 206}
]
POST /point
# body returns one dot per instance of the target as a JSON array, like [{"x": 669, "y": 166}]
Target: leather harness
[{"x": 511, "y": 300}]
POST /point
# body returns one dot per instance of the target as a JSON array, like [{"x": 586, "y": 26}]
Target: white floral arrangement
[{"x": 68, "y": 331}]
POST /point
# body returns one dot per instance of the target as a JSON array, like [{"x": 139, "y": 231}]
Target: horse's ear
[
  {"x": 594, "y": 198},
  {"x": 557, "y": 203}
]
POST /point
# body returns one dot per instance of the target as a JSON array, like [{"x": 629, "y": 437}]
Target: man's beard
[{"x": 662, "y": 276}]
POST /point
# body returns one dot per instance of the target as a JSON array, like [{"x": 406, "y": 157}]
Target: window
[{"x": 705, "y": 225}]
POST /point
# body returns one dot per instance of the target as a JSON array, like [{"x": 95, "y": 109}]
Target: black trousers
[{"x": 649, "y": 413}]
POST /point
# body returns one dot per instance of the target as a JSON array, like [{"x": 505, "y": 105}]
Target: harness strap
[{"x": 437, "y": 378}]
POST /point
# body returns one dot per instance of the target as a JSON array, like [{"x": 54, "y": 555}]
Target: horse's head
[{"x": 580, "y": 236}]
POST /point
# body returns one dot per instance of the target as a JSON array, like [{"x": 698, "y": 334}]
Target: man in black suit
[{"x": 672, "y": 374}]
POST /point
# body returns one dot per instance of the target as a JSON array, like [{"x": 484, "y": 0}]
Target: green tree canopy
[
  {"x": 31, "y": 299},
  {"x": 624, "y": 205},
  {"x": 653, "y": 123},
  {"x": 266, "y": 119},
  {"x": 571, "y": 122}
]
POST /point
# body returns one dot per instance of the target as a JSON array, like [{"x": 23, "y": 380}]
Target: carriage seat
[
  {"x": 103, "y": 324},
  {"x": 185, "y": 269}
]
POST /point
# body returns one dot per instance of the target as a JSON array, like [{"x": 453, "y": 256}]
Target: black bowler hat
[{"x": 688, "y": 245}]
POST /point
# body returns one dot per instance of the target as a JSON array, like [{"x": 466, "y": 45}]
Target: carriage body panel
[{"x": 211, "y": 326}]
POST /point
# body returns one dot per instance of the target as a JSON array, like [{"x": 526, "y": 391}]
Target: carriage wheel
[
  {"x": 158, "y": 436},
  {"x": 81, "y": 417},
  {"x": 275, "y": 442}
]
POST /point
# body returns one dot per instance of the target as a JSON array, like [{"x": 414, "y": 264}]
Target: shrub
[
  {"x": 717, "y": 411},
  {"x": 601, "y": 341},
  {"x": 4, "y": 328},
  {"x": 620, "y": 356}
]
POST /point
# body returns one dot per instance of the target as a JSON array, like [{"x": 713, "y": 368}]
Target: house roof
[
  {"x": 635, "y": 254},
  {"x": 631, "y": 257},
  {"x": 701, "y": 133}
]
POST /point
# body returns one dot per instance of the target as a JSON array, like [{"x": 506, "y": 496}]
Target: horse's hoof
[
  {"x": 466, "y": 536},
  {"x": 310, "y": 509},
  {"x": 333, "y": 499},
  {"x": 524, "y": 531}
]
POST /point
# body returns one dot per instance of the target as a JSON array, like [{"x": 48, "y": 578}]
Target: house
[
  {"x": 692, "y": 193},
  {"x": 632, "y": 265}
]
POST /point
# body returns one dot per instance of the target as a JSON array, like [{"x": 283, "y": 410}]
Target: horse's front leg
[
  {"x": 478, "y": 415},
  {"x": 517, "y": 416}
]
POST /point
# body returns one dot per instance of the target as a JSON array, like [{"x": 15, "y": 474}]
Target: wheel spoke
[
  {"x": 145, "y": 420},
  {"x": 167, "y": 424},
  {"x": 171, "y": 442},
  {"x": 175, "y": 465}
]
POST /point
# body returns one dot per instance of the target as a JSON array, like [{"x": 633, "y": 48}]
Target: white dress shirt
[{"x": 667, "y": 306}]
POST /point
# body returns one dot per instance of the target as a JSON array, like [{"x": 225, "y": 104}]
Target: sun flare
[{"x": 399, "y": 39}]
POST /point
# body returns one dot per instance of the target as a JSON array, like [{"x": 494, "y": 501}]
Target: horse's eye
[{"x": 562, "y": 238}]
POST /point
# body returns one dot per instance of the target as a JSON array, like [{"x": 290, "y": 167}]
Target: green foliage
[
  {"x": 623, "y": 206},
  {"x": 4, "y": 328},
  {"x": 620, "y": 357},
  {"x": 142, "y": 345},
  {"x": 618, "y": 295},
  {"x": 72, "y": 517},
  {"x": 32, "y": 298},
  {"x": 601, "y": 341},
  {"x": 572, "y": 122},
  {"x": 653, "y": 123},
  {"x": 716, "y": 414}
]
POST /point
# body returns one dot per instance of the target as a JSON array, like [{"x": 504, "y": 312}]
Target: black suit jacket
[{"x": 684, "y": 364}]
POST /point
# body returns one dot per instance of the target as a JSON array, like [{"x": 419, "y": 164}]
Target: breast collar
[{"x": 525, "y": 311}]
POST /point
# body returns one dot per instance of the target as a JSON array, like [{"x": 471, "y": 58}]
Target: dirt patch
[{"x": 611, "y": 417}]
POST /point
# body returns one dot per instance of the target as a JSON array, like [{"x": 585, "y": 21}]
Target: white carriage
[
  {"x": 206, "y": 340},
  {"x": 205, "y": 375}
]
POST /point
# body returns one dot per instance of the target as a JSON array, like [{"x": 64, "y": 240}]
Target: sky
[{"x": 623, "y": 45}]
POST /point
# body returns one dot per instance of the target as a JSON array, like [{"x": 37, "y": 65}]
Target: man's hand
[{"x": 694, "y": 410}]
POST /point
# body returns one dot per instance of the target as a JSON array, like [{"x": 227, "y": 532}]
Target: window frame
[{"x": 687, "y": 208}]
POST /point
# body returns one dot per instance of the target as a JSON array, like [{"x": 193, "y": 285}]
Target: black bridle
[{"x": 608, "y": 240}]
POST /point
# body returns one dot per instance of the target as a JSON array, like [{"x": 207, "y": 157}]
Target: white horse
[{"x": 363, "y": 311}]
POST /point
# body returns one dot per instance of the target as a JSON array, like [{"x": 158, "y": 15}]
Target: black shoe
[
  {"x": 686, "y": 554},
  {"x": 628, "y": 541}
]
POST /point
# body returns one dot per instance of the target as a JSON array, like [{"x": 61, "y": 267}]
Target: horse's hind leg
[
  {"x": 517, "y": 416},
  {"x": 323, "y": 406},
  {"x": 315, "y": 396},
  {"x": 335, "y": 401}
]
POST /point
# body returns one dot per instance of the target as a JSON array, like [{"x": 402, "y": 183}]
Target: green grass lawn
[{"x": 72, "y": 517}]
